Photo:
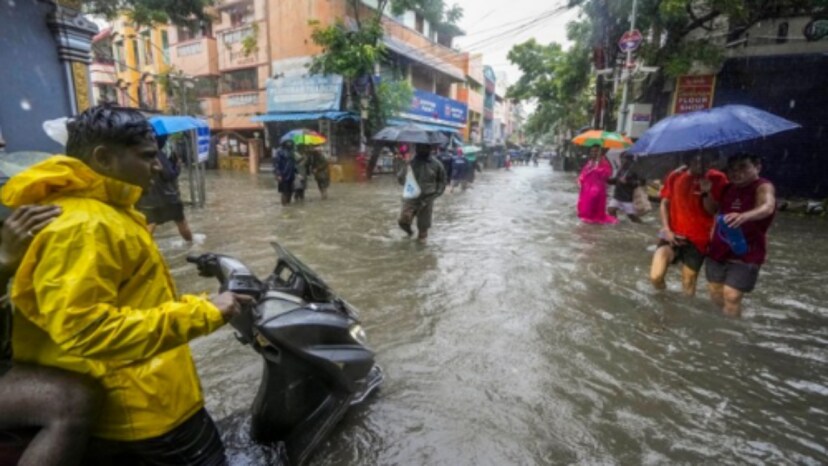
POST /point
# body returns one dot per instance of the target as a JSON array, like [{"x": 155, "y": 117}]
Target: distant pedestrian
[
  {"x": 284, "y": 168},
  {"x": 592, "y": 200},
  {"x": 444, "y": 156},
  {"x": 161, "y": 202},
  {"x": 626, "y": 181},
  {"x": 300, "y": 182},
  {"x": 686, "y": 225},
  {"x": 459, "y": 172},
  {"x": 739, "y": 245},
  {"x": 430, "y": 176},
  {"x": 318, "y": 166}
]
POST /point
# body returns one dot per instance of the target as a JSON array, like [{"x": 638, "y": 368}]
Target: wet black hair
[
  {"x": 739, "y": 156},
  {"x": 106, "y": 124},
  {"x": 422, "y": 150}
]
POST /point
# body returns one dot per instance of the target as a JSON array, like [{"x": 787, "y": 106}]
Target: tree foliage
[
  {"x": 677, "y": 39},
  {"x": 556, "y": 79},
  {"x": 145, "y": 12}
]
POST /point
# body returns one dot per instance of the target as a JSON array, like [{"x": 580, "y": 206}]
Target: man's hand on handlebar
[{"x": 230, "y": 304}]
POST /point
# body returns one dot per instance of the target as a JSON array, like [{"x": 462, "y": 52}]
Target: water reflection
[{"x": 520, "y": 336}]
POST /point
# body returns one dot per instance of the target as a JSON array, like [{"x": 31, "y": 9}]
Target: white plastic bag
[
  {"x": 411, "y": 189},
  {"x": 56, "y": 130},
  {"x": 641, "y": 201}
]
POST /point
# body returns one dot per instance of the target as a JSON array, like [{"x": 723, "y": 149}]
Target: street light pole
[{"x": 622, "y": 123}]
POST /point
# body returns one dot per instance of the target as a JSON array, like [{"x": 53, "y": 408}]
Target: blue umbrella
[
  {"x": 707, "y": 129},
  {"x": 164, "y": 125}
]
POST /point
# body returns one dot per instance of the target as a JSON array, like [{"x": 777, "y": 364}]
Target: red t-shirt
[{"x": 687, "y": 215}]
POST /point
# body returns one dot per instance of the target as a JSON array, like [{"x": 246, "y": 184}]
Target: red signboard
[{"x": 694, "y": 93}]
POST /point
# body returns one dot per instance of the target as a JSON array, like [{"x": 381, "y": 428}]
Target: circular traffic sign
[{"x": 630, "y": 41}]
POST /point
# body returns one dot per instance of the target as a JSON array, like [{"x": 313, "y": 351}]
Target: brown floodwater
[{"x": 520, "y": 336}]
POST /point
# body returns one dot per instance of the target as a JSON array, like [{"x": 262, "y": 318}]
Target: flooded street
[{"x": 519, "y": 336}]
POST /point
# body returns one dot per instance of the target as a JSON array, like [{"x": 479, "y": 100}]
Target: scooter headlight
[{"x": 358, "y": 334}]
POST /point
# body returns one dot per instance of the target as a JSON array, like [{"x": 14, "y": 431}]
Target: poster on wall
[{"x": 694, "y": 93}]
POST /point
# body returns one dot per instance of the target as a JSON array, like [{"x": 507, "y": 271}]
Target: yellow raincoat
[{"x": 94, "y": 295}]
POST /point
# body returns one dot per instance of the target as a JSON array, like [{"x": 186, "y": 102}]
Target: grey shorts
[{"x": 737, "y": 275}]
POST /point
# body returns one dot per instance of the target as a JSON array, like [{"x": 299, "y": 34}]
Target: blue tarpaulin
[
  {"x": 299, "y": 116},
  {"x": 163, "y": 124}
]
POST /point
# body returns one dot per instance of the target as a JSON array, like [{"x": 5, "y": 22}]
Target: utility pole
[{"x": 622, "y": 122}]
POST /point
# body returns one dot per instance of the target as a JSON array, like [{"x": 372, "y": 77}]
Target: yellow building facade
[{"x": 141, "y": 55}]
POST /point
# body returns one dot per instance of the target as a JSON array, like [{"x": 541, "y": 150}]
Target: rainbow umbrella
[
  {"x": 605, "y": 139},
  {"x": 304, "y": 137}
]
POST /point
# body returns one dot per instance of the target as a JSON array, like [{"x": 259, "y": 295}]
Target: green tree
[
  {"x": 181, "y": 12},
  {"x": 557, "y": 80}
]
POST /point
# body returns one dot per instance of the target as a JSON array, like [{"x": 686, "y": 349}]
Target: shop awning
[
  {"x": 419, "y": 55},
  {"x": 428, "y": 126},
  {"x": 299, "y": 116}
]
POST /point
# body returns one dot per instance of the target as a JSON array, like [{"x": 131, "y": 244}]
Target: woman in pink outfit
[{"x": 592, "y": 202}]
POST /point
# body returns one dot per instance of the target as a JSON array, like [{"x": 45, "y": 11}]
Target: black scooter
[{"x": 316, "y": 360}]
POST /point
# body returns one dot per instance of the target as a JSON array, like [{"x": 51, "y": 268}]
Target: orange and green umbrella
[
  {"x": 304, "y": 137},
  {"x": 605, "y": 139}
]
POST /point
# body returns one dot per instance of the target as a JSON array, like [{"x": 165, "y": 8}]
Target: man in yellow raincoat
[{"x": 95, "y": 296}]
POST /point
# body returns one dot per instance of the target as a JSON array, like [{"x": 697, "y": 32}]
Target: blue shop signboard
[{"x": 438, "y": 107}]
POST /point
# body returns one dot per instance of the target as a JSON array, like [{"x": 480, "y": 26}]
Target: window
[
  {"x": 419, "y": 23},
  {"x": 119, "y": 56},
  {"x": 198, "y": 31},
  {"x": 165, "y": 46},
  {"x": 206, "y": 86},
  {"x": 241, "y": 15},
  {"x": 240, "y": 80},
  {"x": 152, "y": 95},
  {"x": 107, "y": 93},
  {"x": 147, "y": 42},
  {"x": 782, "y": 33},
  {"x": 135, "y": 52}
]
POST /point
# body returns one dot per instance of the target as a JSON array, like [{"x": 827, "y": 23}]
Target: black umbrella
[{"x": 411, "y": 133}]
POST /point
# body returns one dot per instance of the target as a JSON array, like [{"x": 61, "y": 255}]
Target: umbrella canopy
[
  {"x": 605, "y": 139},
  {"x": 471, "y": 150},
  {"x": 304, "y": 137},
  {"x": 708, "y": 129},
  {"x": 164, "y": 125},
  {"x": 410, "y": 133}
]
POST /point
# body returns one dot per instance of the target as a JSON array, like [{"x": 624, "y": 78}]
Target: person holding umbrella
[
  {"x": 592, "y": 200},
  {"x": 739, "y": 245},
  {"x": 686, "y": 225},
  {"x": 431, "y": 178}
]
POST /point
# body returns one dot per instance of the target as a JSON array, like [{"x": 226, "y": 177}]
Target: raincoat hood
[{"x": 66, "y": 176}]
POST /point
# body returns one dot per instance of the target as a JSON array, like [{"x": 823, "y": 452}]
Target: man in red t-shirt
[{"x": 686, "y": 225}]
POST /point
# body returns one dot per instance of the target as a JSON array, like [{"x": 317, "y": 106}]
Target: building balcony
[
  {"x": 104, "y": 73},
  {"x": 231, "y": 49},
  {"x": 196, "y": 57},
  {"x": 238, "y": 108}
]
